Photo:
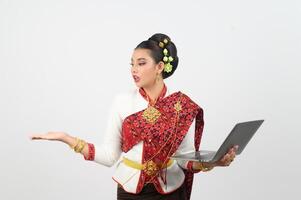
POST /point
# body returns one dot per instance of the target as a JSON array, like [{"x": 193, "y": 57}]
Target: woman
[{"x": 146, "y": 127}]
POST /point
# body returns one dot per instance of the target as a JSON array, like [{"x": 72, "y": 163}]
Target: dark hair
[{"x": 152, "y": 44}]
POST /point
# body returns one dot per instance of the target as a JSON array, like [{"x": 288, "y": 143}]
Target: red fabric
[
  {"x": 91, "y": 154},
  {"x": 190, "y": 167},
  {"x": 147, "y": 98},
  {"x": 189, "y": 174},
  {"x": 162, "y": 138}
]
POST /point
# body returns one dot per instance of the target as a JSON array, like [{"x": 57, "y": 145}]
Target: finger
[
  {"x": 229, "y": 155},
  {"x": 236, "y": 148},
  {"x": 231, "y": 151},
  {"x": 230, "y": 158},
  {"x": 226, "y": 158},
  {"x": 232, "y": 155},
  {"x": 226, "y": 163},
  {"x": 37, "y": 136}
]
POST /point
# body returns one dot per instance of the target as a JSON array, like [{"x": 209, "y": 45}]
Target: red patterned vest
[{"x": 162, "y": 128}]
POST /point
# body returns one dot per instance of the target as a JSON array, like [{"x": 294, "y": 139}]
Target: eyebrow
[{"x": 138, "y": 59}]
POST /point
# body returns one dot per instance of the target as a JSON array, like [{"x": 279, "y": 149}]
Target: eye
[{"x": 140, "y": 64}]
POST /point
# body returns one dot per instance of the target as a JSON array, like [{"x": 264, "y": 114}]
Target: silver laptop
[{"x": 240, "y": 135}]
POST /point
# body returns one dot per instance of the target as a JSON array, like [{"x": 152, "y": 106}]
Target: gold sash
[{"x": 149, "y": 167}]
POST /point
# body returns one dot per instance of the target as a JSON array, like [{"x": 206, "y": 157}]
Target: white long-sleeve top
[{"x": 109, "y": 151}]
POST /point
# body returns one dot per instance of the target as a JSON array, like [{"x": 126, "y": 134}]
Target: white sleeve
[
  {"x": 187, "y": 145},
  {"x": 108, "y": 152}
]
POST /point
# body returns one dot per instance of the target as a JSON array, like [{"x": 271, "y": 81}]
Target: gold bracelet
[
  {"x": 78, "y": 148},
  {"x": 202, "y": 168},
  {"x": 206, "y": 169}
]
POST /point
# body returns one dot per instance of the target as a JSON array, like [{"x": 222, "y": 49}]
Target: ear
[{"x": 160, "y": 66}]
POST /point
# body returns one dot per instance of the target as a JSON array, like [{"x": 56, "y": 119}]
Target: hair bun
[{"x": 162, "y": 49}]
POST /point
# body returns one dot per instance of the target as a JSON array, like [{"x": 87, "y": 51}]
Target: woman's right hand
[
  {"x": 59, "y": 136},
  {"x": 63, "y": 137}
]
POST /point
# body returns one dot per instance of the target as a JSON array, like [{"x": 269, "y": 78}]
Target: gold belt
[{"x": 150, "y": 167}]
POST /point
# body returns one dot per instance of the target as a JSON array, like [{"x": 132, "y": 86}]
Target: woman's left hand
[
  {"x": 224, "y": 161},
  {"x": 228, "y": 158}
]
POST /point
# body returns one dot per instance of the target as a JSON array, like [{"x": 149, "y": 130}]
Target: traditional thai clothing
[{"x": 141, "y": 137}]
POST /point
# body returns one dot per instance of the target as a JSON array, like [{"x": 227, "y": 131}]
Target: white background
[{"x": 62, "y": 62}]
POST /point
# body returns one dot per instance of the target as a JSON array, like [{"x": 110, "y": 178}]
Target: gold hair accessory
[
  {"x": 166, "y": 59},
  {"x": 162, "y": 44}
]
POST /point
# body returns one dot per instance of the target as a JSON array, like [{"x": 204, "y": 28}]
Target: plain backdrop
[{"x": 62, "y": 62}]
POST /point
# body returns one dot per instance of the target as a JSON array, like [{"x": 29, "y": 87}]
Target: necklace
[{"x": 151, "y": 114}]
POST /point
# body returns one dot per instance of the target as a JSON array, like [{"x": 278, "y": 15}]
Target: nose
[{"x": 134, "y": 69}]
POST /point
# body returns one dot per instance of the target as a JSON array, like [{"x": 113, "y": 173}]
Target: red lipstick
[{"x": 136, "y": 78}]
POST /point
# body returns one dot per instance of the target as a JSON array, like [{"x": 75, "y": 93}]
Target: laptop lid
[{"x": 240, "y": 135}]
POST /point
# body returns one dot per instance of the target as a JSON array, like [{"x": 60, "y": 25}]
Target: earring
[{"x": 158, "y": 77}]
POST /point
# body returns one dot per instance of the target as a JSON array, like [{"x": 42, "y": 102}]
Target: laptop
[{"x": 240, "y": 135}]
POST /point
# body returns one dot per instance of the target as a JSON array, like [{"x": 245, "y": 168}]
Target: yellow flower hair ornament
[{"x": 166, "y": 59}]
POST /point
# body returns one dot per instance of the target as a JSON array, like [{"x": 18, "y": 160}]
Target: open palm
[{"x": 48, "y": 136}]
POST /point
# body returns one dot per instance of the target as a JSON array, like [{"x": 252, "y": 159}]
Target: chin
[
  {"x": 141, "y": 84},
  {"x": 138, "y": 84}
]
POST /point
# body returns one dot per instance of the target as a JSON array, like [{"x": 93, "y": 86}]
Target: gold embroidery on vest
[
  {"x": 151, "y": 168},
  {"x": 178, "y": 106},
  {"x": 151, "y": 114}
]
